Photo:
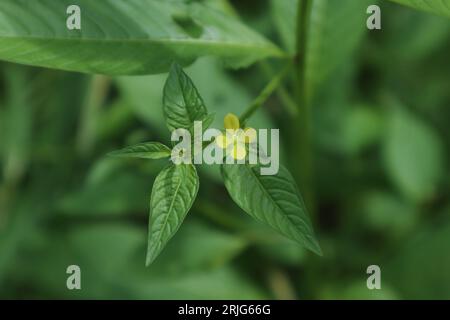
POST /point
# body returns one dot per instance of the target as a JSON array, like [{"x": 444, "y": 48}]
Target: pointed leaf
[
  {"x": 182, "y": 103},
  {"x": 208, "y": 120},
  {"x": 124, "y": 37},
  {"x": 173, "y": 194},
  {"x": 274, "y": 200}
]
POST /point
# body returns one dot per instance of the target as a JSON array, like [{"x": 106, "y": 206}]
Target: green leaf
[
  {"x": 124, "y": 37},
  {"x": 182, "y": 103},
  {"x": 413, "y": 155},
  {"x": 173, "y": 194},
  {"x": 274, "y": 200},
  {"x": 146, "y": 150},
  {"x": 334, "y": 32},
  {"x": 440, "y": 7},
  {"x": 208, "y": 120}
]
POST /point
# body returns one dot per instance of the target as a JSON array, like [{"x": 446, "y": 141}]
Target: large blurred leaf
[
  {"x": 274, "y": 200},
  {"x": 441, "y": 7},
  {"x": 334, "y": 32},
  {"x": 413, "y": 154},
  {"x": 173, "y": 194},
  {"x": 117, "y": 37}
]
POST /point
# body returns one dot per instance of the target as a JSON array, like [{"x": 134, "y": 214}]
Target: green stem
[
  {"x": 283, "y": 94},
  {"x": 265, "y": 94},
  {"x": 301, "y": 126}
]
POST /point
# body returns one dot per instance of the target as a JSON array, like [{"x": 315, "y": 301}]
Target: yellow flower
[{"x": 235, "y": 138}]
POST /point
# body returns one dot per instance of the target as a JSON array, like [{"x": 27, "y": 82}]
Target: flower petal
[
  {"x": 223, "y": 141},
  {"x": 239, "y": 151},
  {"x": 250, "y": 135},
  {"x": 231, "y": 121}
]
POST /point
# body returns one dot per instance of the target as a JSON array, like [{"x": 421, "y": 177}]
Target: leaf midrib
[
  {"x": 186, "y": 41},
  {"x": 268, "y": 194},
  {"x": 188, "y": 106},
  {"x": 170, "y": 209}
]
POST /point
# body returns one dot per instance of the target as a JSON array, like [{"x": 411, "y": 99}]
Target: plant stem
[
  {"x": 265, "y": 94},
  {"x": 282, "y": 93},
  {"x": 301, "y": 125}
]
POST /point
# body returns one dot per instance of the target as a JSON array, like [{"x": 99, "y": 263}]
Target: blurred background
[{"x": 381, "y": 129}]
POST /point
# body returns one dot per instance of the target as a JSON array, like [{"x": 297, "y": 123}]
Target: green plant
[
  {"x": 273, "y": 200},
  {"x": 309, "y": 73}
]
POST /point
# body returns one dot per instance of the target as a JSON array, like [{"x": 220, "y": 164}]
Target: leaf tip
[
  {"x": 315, "y": 247},
  {"x": 151, "y": 257}
]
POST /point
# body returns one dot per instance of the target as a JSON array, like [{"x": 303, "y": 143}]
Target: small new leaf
[
  {"x": 273, "y": 200},
  {"x": 173, "y": 194},
  {"x": 182, "y": 104},
  {"x": 146, "y": 150}
]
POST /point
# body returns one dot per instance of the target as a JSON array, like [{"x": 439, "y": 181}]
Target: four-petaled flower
[{"x": 235, "y": 138}]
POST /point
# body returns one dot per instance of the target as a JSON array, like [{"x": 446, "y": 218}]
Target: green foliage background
[{"x": 380, "y": 170}]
